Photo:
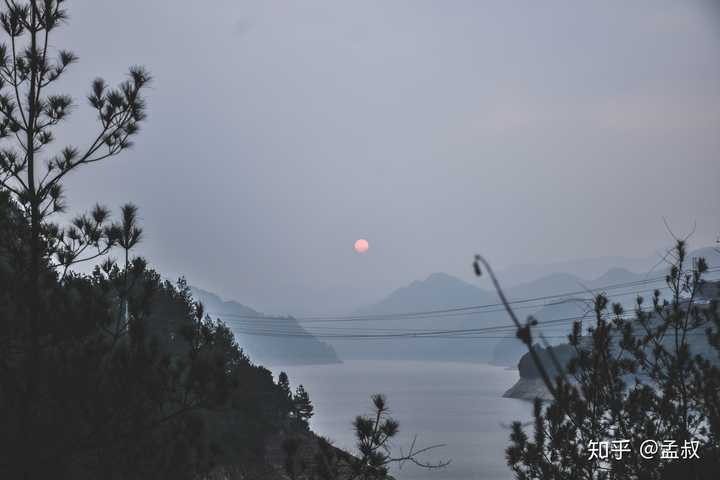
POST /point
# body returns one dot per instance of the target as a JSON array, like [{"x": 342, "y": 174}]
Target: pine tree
[
  {"x": 127, "y": 234},
  {"x": 303, "y": 406},
  {"x": 29, "y": 114},
  {"x": 650, "y": 377},
  {"x": 30, "y": 111},
  {"x": 375, "y": 435},
  {"x": 284, "y": 384}
]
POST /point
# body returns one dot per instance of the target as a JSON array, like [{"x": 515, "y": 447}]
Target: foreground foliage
[
  {"x": 373, "y": 459},
  {"x": 649, "y": 377},
  {"x": 156, "y": 391},
  {"x": 115, "y": 374}
]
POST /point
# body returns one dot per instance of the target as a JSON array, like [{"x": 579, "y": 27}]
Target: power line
[
  {"x": 288, "y": 327},
  {"x": 242, "y": 320},
  {"x": 297, "y": 333},
  {"x": 449, "y": 312}
]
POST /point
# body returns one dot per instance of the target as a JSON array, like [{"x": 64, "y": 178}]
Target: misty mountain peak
[
  {"x": 438, "y": 290},
  {"x": 214, "y": 304},
  {"x": 615, "y": 275},
  {"x": 440, "y": 278}
]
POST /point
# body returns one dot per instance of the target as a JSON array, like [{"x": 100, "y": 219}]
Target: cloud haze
[{"x": 280, "y": 132}]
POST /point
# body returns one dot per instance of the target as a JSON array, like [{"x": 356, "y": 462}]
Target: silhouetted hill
[
  {"x": 616, "y": 275},
  {"x": 437, "y": 291},
  {"x": 276, "y": 341},
  {"x": 530, "y": 384},
  {"x": 508, "y": 350}
]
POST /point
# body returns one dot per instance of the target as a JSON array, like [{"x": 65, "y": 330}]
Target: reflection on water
[{"x": 453, "y": 403}]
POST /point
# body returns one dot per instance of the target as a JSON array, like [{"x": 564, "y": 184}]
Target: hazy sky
[{"x": 280, "y": 132}]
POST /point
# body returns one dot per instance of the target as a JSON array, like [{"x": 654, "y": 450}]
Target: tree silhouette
[
  {"x": 29, "y": 114},
  {"x": 33, "y": 174},
  {"x": 373, "y": 459},
  {"x": 128, "y": 403},
  {"x": 115, "y": 374},
  {"x": 650, "y": 377},
  {"x": 302, "y": 405},
  {"x": 284, "y": 384},
  {"x": 127, "y": 235}
]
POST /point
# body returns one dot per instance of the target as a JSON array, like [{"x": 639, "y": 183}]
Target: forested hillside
[{"x": 110, "y": 370}]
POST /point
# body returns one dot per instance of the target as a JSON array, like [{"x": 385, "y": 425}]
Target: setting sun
[{"x": 362, "y": 246}]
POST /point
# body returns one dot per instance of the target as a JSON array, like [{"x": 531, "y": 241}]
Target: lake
[{"x": 458, "y": 404}]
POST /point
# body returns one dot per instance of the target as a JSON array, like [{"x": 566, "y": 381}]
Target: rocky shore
[{"x": 528, "y": 389}]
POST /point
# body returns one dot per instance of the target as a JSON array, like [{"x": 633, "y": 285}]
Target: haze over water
[{"x": 458, "y": 404}]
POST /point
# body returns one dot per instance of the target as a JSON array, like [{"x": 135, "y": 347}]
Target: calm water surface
[{"x": 457, "y": 404}]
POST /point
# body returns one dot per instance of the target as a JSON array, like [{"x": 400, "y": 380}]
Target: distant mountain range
[
  {"x": 271, "y": 340},
  {"x": 440, "y": 291},
  {"x": 275, "y": 341},
  {"x": 582, "y": 268}
]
